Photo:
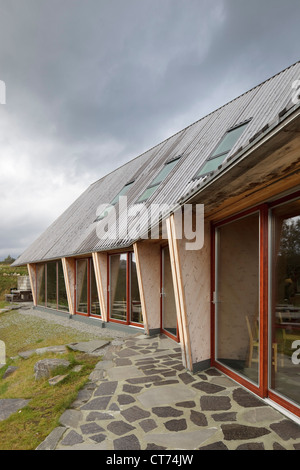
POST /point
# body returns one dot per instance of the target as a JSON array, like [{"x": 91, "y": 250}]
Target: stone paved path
[{"x": 141, "y": 398}]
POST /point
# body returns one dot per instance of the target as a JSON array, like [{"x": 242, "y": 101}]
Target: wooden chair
[
  {"x": 254, "y": 344},
  {"x": 286, "y": 337}
]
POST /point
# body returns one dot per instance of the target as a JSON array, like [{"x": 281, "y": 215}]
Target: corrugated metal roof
[{"x": 74, "y": 232}]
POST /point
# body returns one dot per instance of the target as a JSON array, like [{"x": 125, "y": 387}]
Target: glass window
[
  {"x": 118, "y": 287},
  {"x": 51, "y": 285},
  {"x": 146, "y": 194},
  {"x": 62, "y": 293},
  {"x": 95, "y": 305},
  {"x": 51, "y": 289},
  {"x": 136, "y": 306},
  {"x": 82, "y": 286},
  {"x": 125, "y": 302},
  {"x": 169, "y": 315},
  {"x": 40, "y": 272},
  {"x": 223, "y": 149},
  {"x": 285, "y": 295},
  {"x": 168, "y": 167},
  {"x": 212, "y": 165},
  {"x": 123, "y": 192},
  {"x": 237, "y": 296}
]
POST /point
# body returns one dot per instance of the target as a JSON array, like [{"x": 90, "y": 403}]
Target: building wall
[
  {"x": 193, "y": 296},
  {"x": 148, "y": 268}
]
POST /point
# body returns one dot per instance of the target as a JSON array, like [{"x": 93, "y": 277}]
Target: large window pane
[
  {"x": 237, "y": 296},
  {"x": 40, "y": 272},
  {"x": 51, "y": 285},
  {"x": 229, "y": 140},
  {"x": 212, "y": 165},
  {"x": 62, "y": 293},
  {"x": 136, "y": 307},
  {"x": 169, "y": 316},
  {"x": 81, "y": 286},
  {"x": 95, "y": 305},
  {"x": 118, "y": 287},
  {"x": 285, "y": 324}
]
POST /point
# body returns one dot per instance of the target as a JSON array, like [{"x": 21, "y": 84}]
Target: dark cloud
[{"x": 93, "y": 83}]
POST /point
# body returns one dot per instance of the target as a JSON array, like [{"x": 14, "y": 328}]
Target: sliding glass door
[
  {"x": 256, "y": 300},
  {"x": 168, "y": 306},
  {"x": 284, "y": 379},
  {"x": 236, "y": 296}
]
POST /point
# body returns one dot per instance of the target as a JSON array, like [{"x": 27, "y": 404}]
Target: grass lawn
[
  {"x": 26, "y": 429},
  {"x": 4, "y": 304}
]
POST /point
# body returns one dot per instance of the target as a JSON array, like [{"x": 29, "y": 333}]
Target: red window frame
[
  {"x": 165, "y": 332},
  {"x": 262, "y": 390},
  {"x": 45, "y": 292},
  {"x": 128, "y": 289},
  {"x": 90, "y": 266}
]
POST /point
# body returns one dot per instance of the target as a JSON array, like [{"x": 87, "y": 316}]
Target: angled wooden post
[
  {"x": 32, "y": 277},
  {"x": 100, "y": 267},
  {"x": 141, "y": 288},
  {"x": 192, "y": 280},
  {"x": 179, "y": 293},
  {"x": 68, "y": 265}
]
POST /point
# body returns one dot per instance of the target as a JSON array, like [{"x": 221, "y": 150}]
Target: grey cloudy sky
[{"x": 91, "y": 84}]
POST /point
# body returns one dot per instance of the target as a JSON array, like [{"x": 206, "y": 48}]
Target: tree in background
[{"x": 8, "y": 260}]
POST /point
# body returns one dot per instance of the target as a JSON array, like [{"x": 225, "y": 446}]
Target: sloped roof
[{"x": 75, "y": 231}]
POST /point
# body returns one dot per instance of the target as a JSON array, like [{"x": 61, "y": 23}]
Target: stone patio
[{"x": 140, "y": 397}]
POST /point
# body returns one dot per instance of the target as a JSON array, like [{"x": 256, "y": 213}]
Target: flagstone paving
[{"x": 140, "y": 397}]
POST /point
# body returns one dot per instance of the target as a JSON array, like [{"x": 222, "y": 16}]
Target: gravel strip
[{"x": 71, "y": 323}]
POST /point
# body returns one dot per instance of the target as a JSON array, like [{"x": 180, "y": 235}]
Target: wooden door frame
[
  {"x": 165, "y": 332},
  {"x": 261, "y": 388}
]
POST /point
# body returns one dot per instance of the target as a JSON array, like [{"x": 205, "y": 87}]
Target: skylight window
[
  {"x": 115, "y": 200},
  {"x": 168, "y": 167},
  {"x": 222, "y": 150}
]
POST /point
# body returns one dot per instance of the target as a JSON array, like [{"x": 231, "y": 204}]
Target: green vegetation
[
  {"x": 8, "y": 260},
  {"x": 26, "y": 429},
  {"x": 9, "y": 278}
]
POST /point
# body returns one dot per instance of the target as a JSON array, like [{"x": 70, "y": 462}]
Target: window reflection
[
  {"x": 95, "y": 305},
  {"x": 285, "y": 377},
  {"x": 169, "y": 315},
  {"x": 81, "y": 286},
  {"x": 136, "y": 306},
  {"x": 51, "y": 285},
  {"x": 62, "y": 293},
  {"x": 51, "y": 288},
  {"x": 118, "y": 287},
  {"x": 40, "y": 272},
  {"x": 125, "y": 302}
]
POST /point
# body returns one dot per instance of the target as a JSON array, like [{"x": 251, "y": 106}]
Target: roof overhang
[{"x": 268, "y": 165}]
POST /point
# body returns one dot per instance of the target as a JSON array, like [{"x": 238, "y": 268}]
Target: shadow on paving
[{"x": 140, "y": 397}]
